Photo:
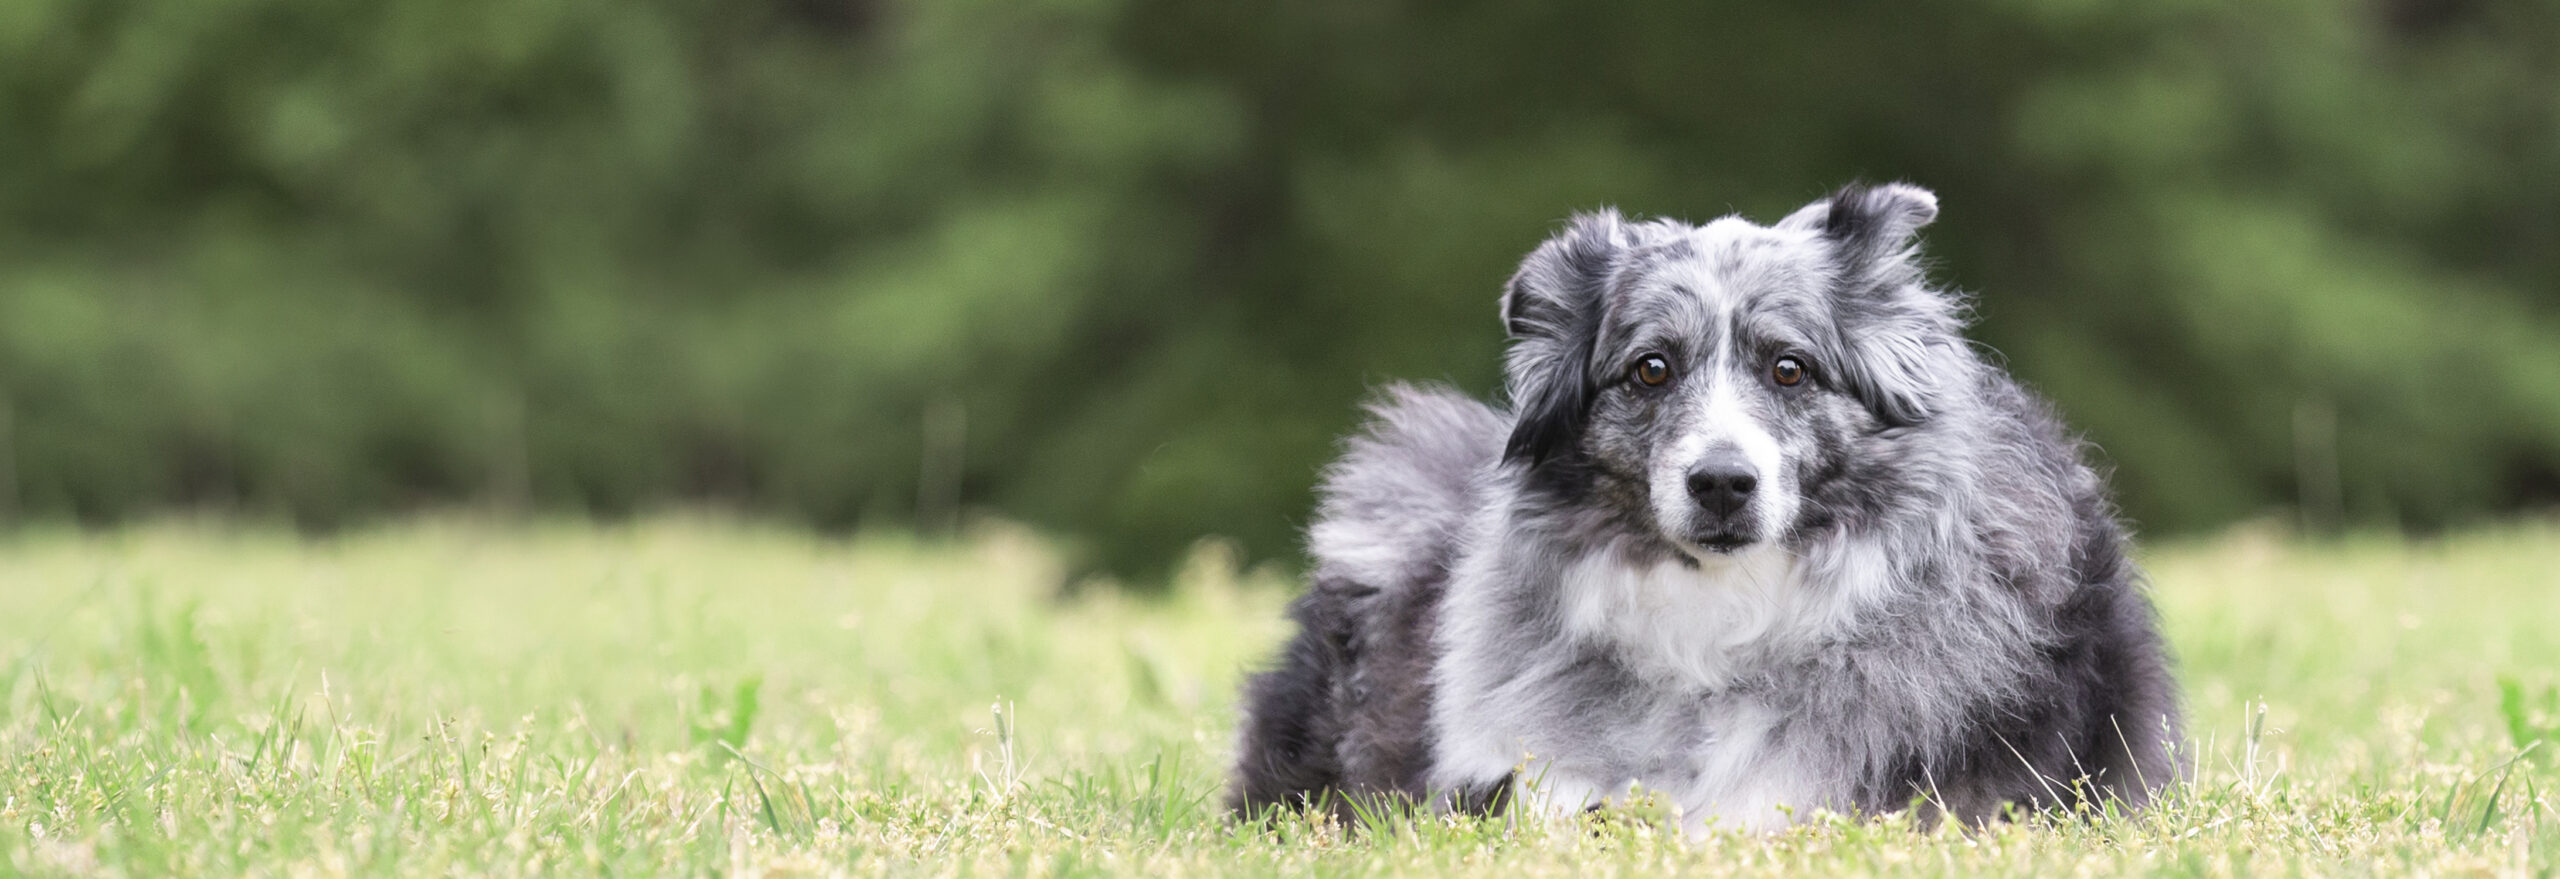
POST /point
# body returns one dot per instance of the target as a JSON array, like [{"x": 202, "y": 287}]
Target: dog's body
[{"x": 1764, "y": 536}]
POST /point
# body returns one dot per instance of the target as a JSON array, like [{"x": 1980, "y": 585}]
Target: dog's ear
[
  {"x": 1900, "y": 342},
  {"x": 1551, "y": 309}
]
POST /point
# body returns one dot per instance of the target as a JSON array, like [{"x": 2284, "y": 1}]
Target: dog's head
[{"x": 1704, "y": 381}]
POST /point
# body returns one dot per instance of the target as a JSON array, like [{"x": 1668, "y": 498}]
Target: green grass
[{"x": 698, "y": 696}]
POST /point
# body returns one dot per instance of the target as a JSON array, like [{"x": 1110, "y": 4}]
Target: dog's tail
[
  {"x": 1341, "y": 720},
  {"x": 1394, "y": 505}
]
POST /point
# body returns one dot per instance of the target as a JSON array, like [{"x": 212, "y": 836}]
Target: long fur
[{"x": 1927, "y": 602}]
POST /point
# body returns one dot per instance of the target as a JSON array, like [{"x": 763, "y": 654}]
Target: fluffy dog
[{"x": 1762, "y": 535}]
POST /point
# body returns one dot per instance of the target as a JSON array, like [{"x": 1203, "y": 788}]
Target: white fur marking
[
  {"x": 1697, "y": 627},
  {"x": 1723, "y": 421},
  {"x": 1741, "y": 780}
]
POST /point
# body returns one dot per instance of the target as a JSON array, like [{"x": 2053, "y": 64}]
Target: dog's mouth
[
  {"x": 1706, "y": 535},
  {"x": 1710, "y": 548},
  {"x": 1724, "y": 542}
]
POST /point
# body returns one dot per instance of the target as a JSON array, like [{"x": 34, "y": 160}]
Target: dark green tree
[{"x": 1122, "y": 268}]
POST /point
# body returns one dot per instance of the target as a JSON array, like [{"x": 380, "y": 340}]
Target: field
[{"x": 696, "y": 696}]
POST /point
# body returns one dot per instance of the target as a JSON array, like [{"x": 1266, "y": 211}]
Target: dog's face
[{"x": 1707, "y": 384}]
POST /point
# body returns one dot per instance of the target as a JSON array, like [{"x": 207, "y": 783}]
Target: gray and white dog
[{"x": 1762, "y": 535}]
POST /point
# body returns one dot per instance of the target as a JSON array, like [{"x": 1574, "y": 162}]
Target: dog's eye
[
  {"x": 1788, "y": 371},
  {"x": 1651, "y": 370}
]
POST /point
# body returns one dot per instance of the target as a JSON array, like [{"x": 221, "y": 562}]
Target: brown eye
[
  {"x": 1651, "y": 370},
  {"x": 1787, "y": 371}
]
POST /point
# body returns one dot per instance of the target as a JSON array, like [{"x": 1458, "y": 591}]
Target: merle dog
[{"x": 1761, "y": 534}]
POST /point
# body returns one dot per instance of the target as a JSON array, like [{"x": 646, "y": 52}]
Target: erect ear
[
  {"x": 1901, "y": 343},
  {"x": 1877, "y": 221},
  {"x": 1552, "y": 311}
]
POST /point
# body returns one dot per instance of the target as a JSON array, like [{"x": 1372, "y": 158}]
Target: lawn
[{"x": 689, "y": 695}]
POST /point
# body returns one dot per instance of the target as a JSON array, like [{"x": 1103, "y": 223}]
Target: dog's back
[{"x": 1345, "y": 709}]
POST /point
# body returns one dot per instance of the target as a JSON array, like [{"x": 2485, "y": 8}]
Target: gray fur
[{"x": 1923, "y": 596}]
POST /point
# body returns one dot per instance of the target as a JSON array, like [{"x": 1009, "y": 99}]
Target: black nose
[{"x": 1722, "y": 483}]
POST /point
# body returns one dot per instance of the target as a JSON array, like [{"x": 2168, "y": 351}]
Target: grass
[{"x": 690, "y": 696}]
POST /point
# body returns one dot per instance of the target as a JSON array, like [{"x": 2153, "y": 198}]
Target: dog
[{"x": 1762, "y": 536}]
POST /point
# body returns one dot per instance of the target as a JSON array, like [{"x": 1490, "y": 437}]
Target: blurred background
[{"x": 1122, "y": 268}]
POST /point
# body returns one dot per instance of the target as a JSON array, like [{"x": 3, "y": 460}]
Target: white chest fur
[
  {"x": 1740, "y": 779},
  {"x": 1695, "y": 629},
  {"x": 1678, "y": 730}
]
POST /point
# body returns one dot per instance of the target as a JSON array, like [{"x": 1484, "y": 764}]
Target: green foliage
[
  {"x": 182, "y": 664},
  {"x": 1122, "y": 267},
  {"x": 2533, "y": 724},
  {"x": 720, "y": 729}
]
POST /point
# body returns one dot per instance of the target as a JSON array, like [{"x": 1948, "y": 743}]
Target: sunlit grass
[{"x": 699, "y": 696}]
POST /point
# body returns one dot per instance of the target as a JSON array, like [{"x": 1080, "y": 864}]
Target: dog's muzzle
[{"x": 1722, "y": 484}]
